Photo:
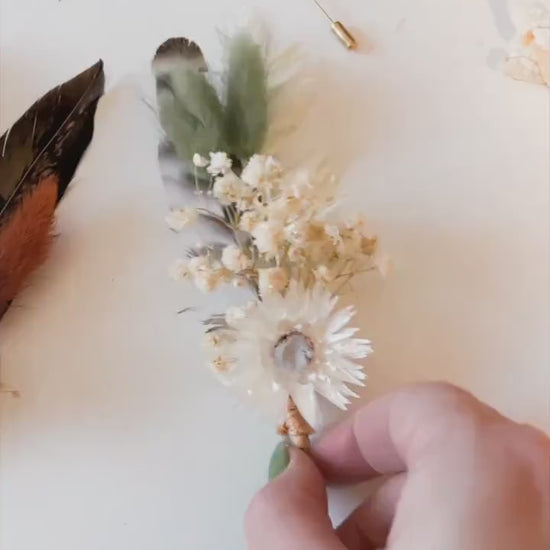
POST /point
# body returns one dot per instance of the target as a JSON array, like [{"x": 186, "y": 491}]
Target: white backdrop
[{"x": 121, "y": 439}]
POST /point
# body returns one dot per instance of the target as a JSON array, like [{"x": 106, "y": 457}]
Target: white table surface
[{"x": 121, "y": 439}]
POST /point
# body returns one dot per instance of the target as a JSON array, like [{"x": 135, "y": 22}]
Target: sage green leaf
[{"x": 246, "y": 117}]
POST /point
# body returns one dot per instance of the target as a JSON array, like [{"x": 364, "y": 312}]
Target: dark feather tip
[
  {"x": 175, "y": 51},
  {"x": 179, "y": 46},
  {"x": 50, "y": 138}
]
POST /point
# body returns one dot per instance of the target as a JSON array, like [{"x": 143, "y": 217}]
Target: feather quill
[{"x": 38, "y": 157}]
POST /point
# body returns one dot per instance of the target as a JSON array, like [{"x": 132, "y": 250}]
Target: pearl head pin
[{"x": 339, "y": 29}]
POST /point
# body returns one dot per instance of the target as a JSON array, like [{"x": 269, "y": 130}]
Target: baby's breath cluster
[{"x": 283, "y": 226}]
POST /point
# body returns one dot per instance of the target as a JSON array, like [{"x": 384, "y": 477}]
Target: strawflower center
[{"x": 294, "y": 352}]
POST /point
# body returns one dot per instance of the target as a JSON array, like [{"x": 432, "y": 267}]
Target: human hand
[{"x": 459, "y": 477}]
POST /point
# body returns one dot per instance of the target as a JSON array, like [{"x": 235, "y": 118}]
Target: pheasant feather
[{"x": 38, "y": 157}]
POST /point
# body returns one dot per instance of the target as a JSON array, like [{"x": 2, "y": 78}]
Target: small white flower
[
  {"x": 199, "y": 161},
  {"x": 383, "y": 263},
  {"x": 542, "y": 37},
  {"x": 262, "y": 172},
  {"x": 297, "y": 207},
  {"x": 213, "y": 339},
  {"x": 369, "y": 245},
  {"x": 199, "y": 264},
  {"x": 269, "y": 238},
  {"x": 333, "y": 232},
  {"x": 299, "y": 186},
  {"x": 220, "y": 163},
  {"x": 351, "y": 243},
  {"x": 217, "y": 339},
  {"x": 179, "y": 271},
  {"x": 207, "y": 281},
  {"x": 323, "y": 274},
  {"x": 239, "y": 282},
  {"x": 221, "y": 364},
  {"x": 230, "y": 189},
  {"x": 310, "y": 236},
  {"x": 273, "y": 279},
  {"x": 283, "y": 209},
  {"x": 250, "y": 305},
  {"x": 249, "y": 220},
  {"x": 296, "y": 254},
  {"x": 234, "y": 314},
  {"x": 181, "y": 218},
  {"x": 207, "y": 274},
  {"x": 522, "y": 68},
  {"x": 301, "y": 232},
  {"x": 234, "y": 259},
  {"x": 530, "y": 58}
]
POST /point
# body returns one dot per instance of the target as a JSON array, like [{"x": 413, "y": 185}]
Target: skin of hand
[{"x": 456, "y": 476}]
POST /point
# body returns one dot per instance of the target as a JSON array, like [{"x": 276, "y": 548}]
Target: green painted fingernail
[{"x": 280, "y": 459}]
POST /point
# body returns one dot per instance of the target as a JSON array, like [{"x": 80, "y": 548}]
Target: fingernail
[{"x": 279, "y": 461}]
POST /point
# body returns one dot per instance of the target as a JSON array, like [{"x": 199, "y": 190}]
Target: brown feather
[
  {"x": 38, "y": 157},
  {"x": 26, "y": 238},
  {"x": 50, "y": 138}
]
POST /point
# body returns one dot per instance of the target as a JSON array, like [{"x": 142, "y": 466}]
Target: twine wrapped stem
[{"x": 296, "y": 428}]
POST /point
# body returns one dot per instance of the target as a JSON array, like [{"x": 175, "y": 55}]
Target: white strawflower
[
  {"x": 220, "y": 163},
  {"x": 272, "y": 279},
  {"x": 199, "y": 161},
  {"x": 180, "y": 218},
  {"x": 234, "y": 259},
  {"x": 179, "y": 271},
  {"x": 296, "y": 345},
  {"x": 262, "y": 172},
  {"x": 269, "y": 238}
]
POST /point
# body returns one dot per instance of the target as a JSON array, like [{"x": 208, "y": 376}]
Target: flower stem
[{"x": 296, "y": 427}]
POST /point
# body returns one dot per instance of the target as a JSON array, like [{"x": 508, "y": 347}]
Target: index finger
[{"x": 392, "y": 433}]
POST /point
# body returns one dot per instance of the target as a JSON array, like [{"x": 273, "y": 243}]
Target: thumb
[{"x": 291, "y": 513}]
